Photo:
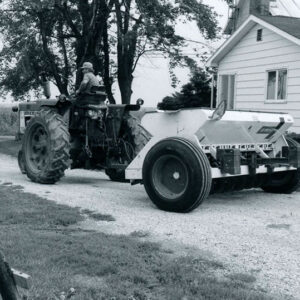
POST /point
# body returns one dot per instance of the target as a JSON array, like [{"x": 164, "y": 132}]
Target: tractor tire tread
[{"x": 60, "y": 147}]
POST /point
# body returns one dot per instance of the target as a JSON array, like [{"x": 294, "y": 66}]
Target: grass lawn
[{"x": 44, "y": 239}]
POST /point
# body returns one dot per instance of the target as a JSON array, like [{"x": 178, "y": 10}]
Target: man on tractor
[{"x": 89, "y": 79}]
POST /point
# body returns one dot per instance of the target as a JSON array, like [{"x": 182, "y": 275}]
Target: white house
[{"x": 259, "y": 66}]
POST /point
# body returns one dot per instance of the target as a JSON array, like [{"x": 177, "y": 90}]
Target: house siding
[{"x": 250, "y": 60}]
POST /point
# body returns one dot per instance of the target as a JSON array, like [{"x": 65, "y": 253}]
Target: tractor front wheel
[
  {"x": 46, "y": 147},
  {"x": 177, "y": 175},
  {"x": 21, "y": 162}
]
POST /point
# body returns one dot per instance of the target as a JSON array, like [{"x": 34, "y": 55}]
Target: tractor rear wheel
[
  {"x": 116, "y": 175},
  {"x": 284, "y": 182},
  {"x": 177, "y": 175},
  {"x": 46, "y": 147},
  {"x": 134, "y": 134}
]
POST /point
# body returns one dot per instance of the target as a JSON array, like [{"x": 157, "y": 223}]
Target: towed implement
[
  {"x": 180, "y": 156},
  {"x": 197, "y": 152}
]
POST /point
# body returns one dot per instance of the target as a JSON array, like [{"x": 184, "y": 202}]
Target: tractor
[
  {"x": 81, "y": 132},
  {"x": 180, "y": 155}
]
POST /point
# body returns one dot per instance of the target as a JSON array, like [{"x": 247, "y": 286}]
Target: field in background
[{"x": 8, "y": 121}]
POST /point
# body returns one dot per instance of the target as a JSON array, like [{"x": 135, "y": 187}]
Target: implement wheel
[
  {"x": 284, "y": 182},
  {"x": 46, "y": 147},
  {"x": 177, "y": 175}
]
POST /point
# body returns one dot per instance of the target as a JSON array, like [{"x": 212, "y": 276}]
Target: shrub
[{"x": 8, "y": 121}]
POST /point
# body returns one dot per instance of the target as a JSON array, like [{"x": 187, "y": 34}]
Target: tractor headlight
[{"x": 93, "y": 114}]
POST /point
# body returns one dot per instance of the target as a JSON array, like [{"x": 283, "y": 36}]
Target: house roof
[
  {"x": 289, "y": 8},
  {"x": 287, "y": 24},
  {"x": 286, "y": 27}
]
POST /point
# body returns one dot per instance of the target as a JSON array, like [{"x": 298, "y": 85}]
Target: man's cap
[{"x": 87, "y": 65}]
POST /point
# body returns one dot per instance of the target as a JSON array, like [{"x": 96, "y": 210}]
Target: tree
[
  {"x": 57, "y": 36},
  {"x": 196, "y": 93},
  {"x": 145, "y": 26}
]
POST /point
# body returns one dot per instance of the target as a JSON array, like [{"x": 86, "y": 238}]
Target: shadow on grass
[{"x": 36, "y": 238}]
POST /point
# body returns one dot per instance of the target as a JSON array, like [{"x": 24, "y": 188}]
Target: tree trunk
[
  {"x": 106, "y": 76},
  {"x": 8, "y": 289},
  {"x": 125, "y": 83}
]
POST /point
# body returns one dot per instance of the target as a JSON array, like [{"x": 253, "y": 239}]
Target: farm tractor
[{"x": 180, "y": 156}]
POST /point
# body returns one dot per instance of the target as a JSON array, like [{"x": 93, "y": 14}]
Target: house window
[
  {"x": 259, "y": 35},
  {"x": 277, "y": 85}
]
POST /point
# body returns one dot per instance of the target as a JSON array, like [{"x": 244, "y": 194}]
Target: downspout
[{"x": 212, "y": 91}]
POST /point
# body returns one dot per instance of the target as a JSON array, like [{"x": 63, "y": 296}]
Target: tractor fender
[{"x": 62, "y": 105}]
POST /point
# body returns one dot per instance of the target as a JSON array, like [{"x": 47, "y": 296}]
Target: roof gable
[{"x": 286, "y": 27}]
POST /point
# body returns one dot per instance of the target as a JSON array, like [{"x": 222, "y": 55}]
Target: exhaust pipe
[{"x": 46, "y": 85}]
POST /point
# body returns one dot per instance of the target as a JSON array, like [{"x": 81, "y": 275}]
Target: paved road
[{"x": 250, "y": 231}]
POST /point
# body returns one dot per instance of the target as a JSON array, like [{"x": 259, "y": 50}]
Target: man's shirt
[{"x": 89, "y": 80}]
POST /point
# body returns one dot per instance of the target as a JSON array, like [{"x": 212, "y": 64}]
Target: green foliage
[{"x": 196, "y": 93}]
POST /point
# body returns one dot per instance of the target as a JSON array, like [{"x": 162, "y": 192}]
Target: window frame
[
  {"x": 276, "y": 100},
  {"x": 219, "y": 88}
]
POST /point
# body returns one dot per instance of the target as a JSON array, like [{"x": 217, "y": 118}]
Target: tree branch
[
  {"x": 49, "y": 54},
  {"x": 65, "y": 12}
]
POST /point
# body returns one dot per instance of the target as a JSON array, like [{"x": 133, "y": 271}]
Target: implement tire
[
  {"x": 177, "y": 175},
  {"x": 284, "y": 182},
  {"x": 46, "y": 147}
]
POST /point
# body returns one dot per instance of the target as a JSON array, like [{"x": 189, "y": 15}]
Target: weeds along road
[{"x": 251, "y": 232}]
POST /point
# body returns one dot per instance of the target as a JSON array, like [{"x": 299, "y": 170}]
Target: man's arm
[{"x": 83, "y": 84}]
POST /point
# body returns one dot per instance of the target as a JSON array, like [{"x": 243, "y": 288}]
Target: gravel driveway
[{"x": 251, "y": 232}]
